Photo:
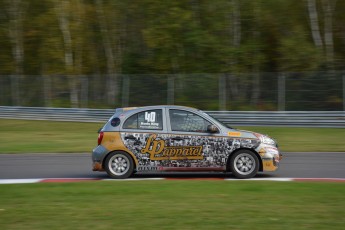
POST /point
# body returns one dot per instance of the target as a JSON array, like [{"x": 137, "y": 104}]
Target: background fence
[
  {"x": 232, "y": 118},
  {"x": 306, "y": 91}
]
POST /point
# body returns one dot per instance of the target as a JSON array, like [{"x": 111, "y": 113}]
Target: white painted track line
[
  {"x": 263, "y": 179},
  {"x": 68, "y": 180},
  {"x": 19, "y": 181}
]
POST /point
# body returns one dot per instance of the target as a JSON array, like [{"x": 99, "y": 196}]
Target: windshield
[{"x": 222, "y": 123}]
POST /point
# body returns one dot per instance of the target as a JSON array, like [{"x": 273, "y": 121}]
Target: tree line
[{"x": 117, "y": 37}]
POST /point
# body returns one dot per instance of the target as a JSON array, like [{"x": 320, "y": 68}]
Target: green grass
[
  {"x": 173, "y": 205},
  {"x": 305, "y": 139},
  {"x": 21, "y": 136}
]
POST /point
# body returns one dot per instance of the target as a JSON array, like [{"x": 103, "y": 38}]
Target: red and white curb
[{"x": 68, "y": 180}]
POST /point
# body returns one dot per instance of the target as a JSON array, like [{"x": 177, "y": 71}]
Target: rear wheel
[
  {"x": 119, "y": 165},
  {"x": 244, "y": 164}
]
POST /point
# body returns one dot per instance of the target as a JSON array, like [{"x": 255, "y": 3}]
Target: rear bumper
[
  {"x": 98, "y": 155},
  {"x": 97, "y": 166}
]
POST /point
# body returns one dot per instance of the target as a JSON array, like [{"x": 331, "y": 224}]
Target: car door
[
  {"x": 143, "y": 134},
  {"x": 192, "y": 146}
]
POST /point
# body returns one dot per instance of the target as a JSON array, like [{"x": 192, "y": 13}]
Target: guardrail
[
  {"x": 334, "y": 119},
  {"x": 282, "y": 118}
]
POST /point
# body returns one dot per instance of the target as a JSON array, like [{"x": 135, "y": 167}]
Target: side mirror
[{"x": 212, "y": 129}]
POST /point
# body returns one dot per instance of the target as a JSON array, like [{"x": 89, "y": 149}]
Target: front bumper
[{"x": 270, "y": 156}]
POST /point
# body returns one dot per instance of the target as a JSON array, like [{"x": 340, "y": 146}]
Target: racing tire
[
  {"x": 119, "y": 165},
  {"x": 244, "y": 164}
]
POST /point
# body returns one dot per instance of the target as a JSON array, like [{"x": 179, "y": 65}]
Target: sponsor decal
[
  {"x": 148, "y": 168},
  {"x": 129, "y": 108},
  {"x": 158, "y": 151},
  {"x": 271, "y": 150},
  {"x": 262, "y": 152},
  {"x": 187, "y": 151},
  {"x": 115, "y": 121},
  {"x": 234, "y": 134},
  {"x": 150, "y": 121}
]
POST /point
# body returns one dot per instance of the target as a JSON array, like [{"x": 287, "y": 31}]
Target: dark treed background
[{"x": 214, "y": 55}]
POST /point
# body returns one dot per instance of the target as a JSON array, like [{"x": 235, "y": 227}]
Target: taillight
[{"x": 100, "y": 137}]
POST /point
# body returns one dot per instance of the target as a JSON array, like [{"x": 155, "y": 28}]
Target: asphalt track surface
[{"x": 78, "y": 165}]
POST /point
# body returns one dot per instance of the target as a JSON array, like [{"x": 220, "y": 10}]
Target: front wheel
[
  {"x": 119, "y": 165},
  {"x": 244, "y": 164}
]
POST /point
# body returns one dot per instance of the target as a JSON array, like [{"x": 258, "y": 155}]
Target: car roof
[{"x": 134, "y": 109}]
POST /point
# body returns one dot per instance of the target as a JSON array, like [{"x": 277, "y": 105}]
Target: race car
[{"x": 177, "y": 138}]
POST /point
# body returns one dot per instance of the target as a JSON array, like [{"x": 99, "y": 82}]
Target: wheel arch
[
  {"x": 121, "y": 151},
  {"x": 237, "y": 150}
]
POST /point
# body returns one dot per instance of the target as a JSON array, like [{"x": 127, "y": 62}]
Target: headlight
[{"x": 265, "y": 139}]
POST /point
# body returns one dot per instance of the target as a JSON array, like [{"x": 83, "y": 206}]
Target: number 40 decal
[{"x": 150, "y": 117}]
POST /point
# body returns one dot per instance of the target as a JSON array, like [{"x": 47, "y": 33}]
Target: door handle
[
  {"x": 177, "y": 138},
  {"x": 131, "y": 137}
]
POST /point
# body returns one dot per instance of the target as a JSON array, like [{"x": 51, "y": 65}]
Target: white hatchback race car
[{"x": 177, "y": 138}]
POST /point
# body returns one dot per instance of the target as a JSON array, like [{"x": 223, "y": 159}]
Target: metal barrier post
[
  {"x": 343, "y": 92},
  {"x": 281, "y": 93},
  {"x": 125, "y": 91},
  {"x": 84, "y": 91},
  {"x": 222, "y": 92},
  {"x": 171, "y": 88},
  {"x": 47, "y": 90}
]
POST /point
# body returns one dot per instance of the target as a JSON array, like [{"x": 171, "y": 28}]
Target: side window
[
  {"x": 147, "y": 120},
  {"x": 187, "y": 122},
  {"x": 131, "y": 122}
]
